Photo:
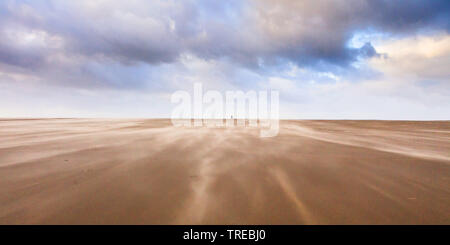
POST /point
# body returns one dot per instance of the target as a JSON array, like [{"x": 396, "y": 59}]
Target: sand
[{"x": 117, "y": 171}]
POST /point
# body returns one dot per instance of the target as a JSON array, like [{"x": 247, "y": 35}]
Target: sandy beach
[{"x": 136, "y": 171}]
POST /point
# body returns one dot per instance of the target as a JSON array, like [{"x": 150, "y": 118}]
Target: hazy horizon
[{"x": 166, "y": 118}]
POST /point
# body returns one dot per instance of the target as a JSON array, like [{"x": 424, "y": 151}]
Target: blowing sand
[{"x": 93, "y": 171}]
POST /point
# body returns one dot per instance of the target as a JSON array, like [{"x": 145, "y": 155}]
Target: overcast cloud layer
[{"x": 329, "y": 59}]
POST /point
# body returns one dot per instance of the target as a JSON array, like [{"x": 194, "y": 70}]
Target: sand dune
[{"x": 98, "y": 171}]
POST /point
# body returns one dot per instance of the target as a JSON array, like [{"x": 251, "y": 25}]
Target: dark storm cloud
[
  {"x": 66, "y": 35},
  {"x": 319, "y": 31},
  {"x": 403, "y": 16}
]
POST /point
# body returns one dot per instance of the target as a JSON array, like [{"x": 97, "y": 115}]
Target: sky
[{"x": 341, "y": 59}]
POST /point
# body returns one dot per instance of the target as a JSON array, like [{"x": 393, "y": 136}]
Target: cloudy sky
[{"x": 341, "y": 59}]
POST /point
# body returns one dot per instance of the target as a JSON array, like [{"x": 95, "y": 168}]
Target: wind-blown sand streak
[{"x": 98, "y": 171}]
